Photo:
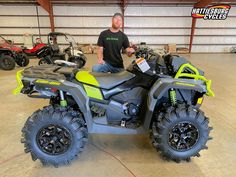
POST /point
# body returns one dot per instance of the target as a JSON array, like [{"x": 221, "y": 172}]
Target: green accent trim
[
  {"x": 41, "y": 81},
  {"x": 19, "y": 81},
  {"x": 93, "y": 92},
  {"x": 173, "y": 97},
  {"x": 63, "y": 103},
  {"x": 86, "y": 77},
  {"x": 195, "y": 76},
  {"x": 184, "y": 84}
]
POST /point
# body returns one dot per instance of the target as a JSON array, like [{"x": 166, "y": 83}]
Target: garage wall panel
[
  {"x": 20, "y": 10},
  {"x": 154, "y": 25},
  {"x": 216, "y": 31},
  {"x": 154, "y": 11},
  {"x": 213, "y": 49},
  {"x": 18, "y": 21},
  {"x": 229, "y": 22},
  {"x": 20, "y": 39},
  {"x": 215, "y": 40},
  {"x": 82, "y": 21},
  {"x": 157, "y": 22},
  {"x": 22, "y": 31},
  {"x": 159, "y": 39},
  {"x": 164, "y": 18},
  {"x": 158, "y": 32},
  {"x": 22, "y": 19},
  {"x": 85, "y": 10}
]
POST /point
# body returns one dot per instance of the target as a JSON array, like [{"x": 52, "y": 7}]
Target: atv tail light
[{"x": 54, "y": 89}]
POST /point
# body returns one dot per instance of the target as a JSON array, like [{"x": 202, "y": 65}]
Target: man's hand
[
  {"x": 129, "y": 51},
  {"x": 100, "y": 55},
  {"x": 101, "y": 61}
]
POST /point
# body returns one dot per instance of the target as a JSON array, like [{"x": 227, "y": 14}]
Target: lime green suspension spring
[{"x": 173, "y": 99}]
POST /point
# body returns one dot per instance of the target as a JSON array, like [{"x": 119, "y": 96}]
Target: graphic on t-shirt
[{"x": 112, "y": 39}]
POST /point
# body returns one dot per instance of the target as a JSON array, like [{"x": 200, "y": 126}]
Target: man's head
[{"x": 117, "y": 21}]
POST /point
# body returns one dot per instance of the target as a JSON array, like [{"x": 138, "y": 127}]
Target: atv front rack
[
  {"x": 19, "y": 82},
  {"x": 180, "y": 73}
]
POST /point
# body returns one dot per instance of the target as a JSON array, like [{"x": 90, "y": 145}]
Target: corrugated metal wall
[{"x": 154, "y": 25}]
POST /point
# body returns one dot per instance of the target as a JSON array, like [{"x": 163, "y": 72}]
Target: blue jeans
[{"x": 105, "y": 68}]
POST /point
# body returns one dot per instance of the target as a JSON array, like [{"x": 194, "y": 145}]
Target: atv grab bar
[{"x": 195, "y": 76}]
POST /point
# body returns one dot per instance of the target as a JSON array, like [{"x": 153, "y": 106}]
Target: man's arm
[
  {"x": 100, "y": 55},
  {"x": 129, "y": 51},
  {"x": 100, "y": 45}
]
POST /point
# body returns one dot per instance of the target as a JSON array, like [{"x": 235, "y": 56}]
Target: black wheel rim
[
  {"x": 54, "y": 139},
  {"x": 23, "y": 62},
  {"x": 6, "y": 62},
  {"x": 183, "y": 136}
]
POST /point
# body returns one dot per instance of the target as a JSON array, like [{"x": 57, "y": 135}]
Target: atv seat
[
  {"x": 55, "y": 48},
  {"x": 103, "y": 80}
]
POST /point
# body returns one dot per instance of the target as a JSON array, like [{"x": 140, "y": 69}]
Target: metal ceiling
[{"x": 118, "y": 2}]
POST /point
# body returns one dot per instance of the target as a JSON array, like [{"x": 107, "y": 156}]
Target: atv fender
[
  {"x": 76, "y": 91},
  {"x": 6, "y": 51},
  {"x": 162, "y": 86}
]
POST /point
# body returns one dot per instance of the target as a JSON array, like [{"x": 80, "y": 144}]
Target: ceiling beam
[
  {"x": 47, "y": 5},
  {"x": 123, "y": 4},
  {"x": 203, "y": 3}
]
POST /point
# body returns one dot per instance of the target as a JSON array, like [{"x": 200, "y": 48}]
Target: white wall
[
  {"x": 181, "y": 22},
  {"x": 28, "y": 22},
  {"x": 135, "y": 21}
]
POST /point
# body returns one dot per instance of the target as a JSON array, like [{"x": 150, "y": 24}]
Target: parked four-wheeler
[
  {"x": 9, "y": 53},
  {"x": 7, "y": 62},
  {"x": 161, "y": 95},
  {"x": 37, "y": 45},
  {"x": 61, "y": 46}
]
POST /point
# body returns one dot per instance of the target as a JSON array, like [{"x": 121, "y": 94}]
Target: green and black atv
[{"x": 156, "y": 94}]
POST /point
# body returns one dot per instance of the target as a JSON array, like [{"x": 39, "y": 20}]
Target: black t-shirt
[{"x": 112, "y": 44}]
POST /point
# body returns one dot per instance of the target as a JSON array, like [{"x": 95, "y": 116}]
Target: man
[{"x": 110, "y": 43}]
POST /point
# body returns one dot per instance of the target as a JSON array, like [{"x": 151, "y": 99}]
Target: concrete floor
[{"x": 135, "y": 152}]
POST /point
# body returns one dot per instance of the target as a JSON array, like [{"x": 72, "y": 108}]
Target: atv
[
  {"x": 61, "y": 46},
  {"x": 157, "y": 95},
  {"x": 37, "y": 45},
  {"x": 11, "y": 54}
]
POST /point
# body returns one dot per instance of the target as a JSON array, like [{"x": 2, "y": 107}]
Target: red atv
[
  {"x": 36, "y": 47},
  {"x": 11, "y": 54}
]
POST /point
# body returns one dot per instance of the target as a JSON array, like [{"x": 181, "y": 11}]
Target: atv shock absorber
[
  {"x": 173, "y": 99},
  {"x": 63, "y": 102}
]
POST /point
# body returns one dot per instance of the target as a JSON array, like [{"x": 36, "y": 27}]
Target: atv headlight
[{"x": 200, "y": 100}]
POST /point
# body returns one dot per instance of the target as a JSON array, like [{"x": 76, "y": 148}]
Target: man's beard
[{"x": 115, "y": 27}]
